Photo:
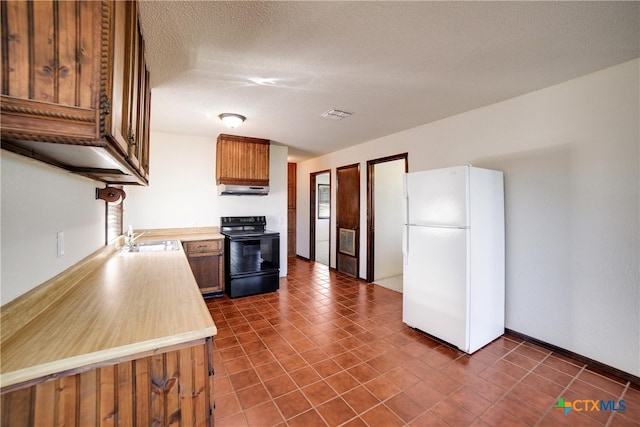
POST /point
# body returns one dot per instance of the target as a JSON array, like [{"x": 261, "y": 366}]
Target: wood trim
[
  {"x": 4, "y": 46},
  {"x": 228, "y": 137},
  {"x": 31, "y": 120},
  {"x": 592, "y": 364},
  {"x": 371, "y": 207}
]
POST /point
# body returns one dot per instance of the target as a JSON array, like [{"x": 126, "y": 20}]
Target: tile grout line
[
  {"x": 353, "y": 309},
  {"x": 509, "y": 390},
  {"x": 298, "y": 388},
  {"x": 613, "y": 413},
  {"x": 564, "y": 390}
]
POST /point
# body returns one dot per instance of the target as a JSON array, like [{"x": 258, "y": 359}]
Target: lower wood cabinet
[
  {"x": 173, "y": 387},
  {"x": 206, "y": 258}
]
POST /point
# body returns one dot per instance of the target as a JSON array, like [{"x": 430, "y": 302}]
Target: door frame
[
  {"x": 313, "y": 214},
  {"x": 371, "y": 207}
]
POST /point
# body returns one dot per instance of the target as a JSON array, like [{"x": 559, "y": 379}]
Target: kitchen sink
[{"x": 156, "y": 246}]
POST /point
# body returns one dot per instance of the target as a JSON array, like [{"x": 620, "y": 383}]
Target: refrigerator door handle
[
  {"x": 405, "y": 215},
  {"x": 405, "y": 245},
  {"x": 454, "y": 227}
]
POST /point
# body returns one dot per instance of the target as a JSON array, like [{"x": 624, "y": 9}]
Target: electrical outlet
[{"x": 60, "y": 243}]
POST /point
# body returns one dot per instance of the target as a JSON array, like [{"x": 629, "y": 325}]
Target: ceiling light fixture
[{"x": 232, "y": 120}]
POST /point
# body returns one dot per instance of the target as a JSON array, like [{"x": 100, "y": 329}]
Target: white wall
[
  {"x": 182, "y": 191},
  {"x": 37, "y": 202},
  {"x": 322, "y": 224},
  {"x": 388, "y": 219},
  {"x": 571, "y": 158},
  {"x": 182, "y": 186}
]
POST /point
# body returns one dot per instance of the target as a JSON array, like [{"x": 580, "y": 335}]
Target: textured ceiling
[{"x": 395, "y": 65}]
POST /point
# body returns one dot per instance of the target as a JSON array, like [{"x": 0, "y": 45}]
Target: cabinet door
[
  {"x": 50, "y": 68},
  {"x": 143, "y": 132},
  {"x": 68, "y": 72},
  {"x": 116, "y": 122},
  {"x": 207, "y": 270},
  {"x": 139, "y": 101},
  {"x": 242, "y": 161},
  {"x": 136, "y": 74},
  {"x": 130, "y": 89},
  {"x": 47, "y": 55}
]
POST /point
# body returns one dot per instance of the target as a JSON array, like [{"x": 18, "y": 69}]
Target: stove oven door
[{"x": 252, "y": 264}]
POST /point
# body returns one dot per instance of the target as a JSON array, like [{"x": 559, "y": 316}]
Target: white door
[
  {"x": 435, "y": 283},
  {"x": 438, "y": 197}
]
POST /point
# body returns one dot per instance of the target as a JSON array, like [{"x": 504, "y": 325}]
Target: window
[
  {"x": 324, "y": 200},
  {"x": 113, "y": 220}
]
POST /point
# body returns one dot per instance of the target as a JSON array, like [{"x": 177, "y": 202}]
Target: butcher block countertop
[{"x": 110, "y": 306}]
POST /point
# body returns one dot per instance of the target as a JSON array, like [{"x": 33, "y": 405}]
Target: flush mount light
[
  {"x": 336, "y": 114},
  {"x": 263, "y": 82},
  {"x": 232, "y": 120}
]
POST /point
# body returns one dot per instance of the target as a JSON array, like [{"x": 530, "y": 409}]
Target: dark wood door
[
  {"x": 291, "y": 209},
  {"x": 348, "y": 219}
]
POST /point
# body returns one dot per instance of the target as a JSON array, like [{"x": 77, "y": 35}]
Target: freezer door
[
  {"x": 438, "y": 197},
  {"x": 435, "y": 283}
]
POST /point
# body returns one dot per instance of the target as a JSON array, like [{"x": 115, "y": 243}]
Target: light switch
[{"x": 60, "y": 243}]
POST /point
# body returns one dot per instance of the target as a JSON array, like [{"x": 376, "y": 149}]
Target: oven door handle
[{"x": 246, "y": 238}]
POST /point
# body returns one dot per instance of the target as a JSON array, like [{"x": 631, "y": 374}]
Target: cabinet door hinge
[{"x": 106, "y": 109}]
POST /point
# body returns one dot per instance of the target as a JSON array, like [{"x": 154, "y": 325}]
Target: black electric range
[{"x": 252, "y": 256}]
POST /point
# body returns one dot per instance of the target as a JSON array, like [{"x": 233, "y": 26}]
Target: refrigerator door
[
  {"x": 438, "y": 197},
  {"x": 435, "y": 283}
]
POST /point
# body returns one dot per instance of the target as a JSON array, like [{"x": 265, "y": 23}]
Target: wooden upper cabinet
[
  {"x": 242, "y": 161},
  {"x": 75, "y": 87}
]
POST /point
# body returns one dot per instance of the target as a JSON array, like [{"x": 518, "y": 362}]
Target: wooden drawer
[{"x": 204, "y": 246}]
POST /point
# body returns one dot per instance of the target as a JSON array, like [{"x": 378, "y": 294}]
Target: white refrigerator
[{"x": 453, "y": 254}]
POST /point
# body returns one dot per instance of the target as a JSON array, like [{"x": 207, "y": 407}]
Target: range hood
[{"x": 242, "y": 190}]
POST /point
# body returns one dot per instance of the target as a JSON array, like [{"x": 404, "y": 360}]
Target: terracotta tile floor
[{"x": 327, "y": 349}]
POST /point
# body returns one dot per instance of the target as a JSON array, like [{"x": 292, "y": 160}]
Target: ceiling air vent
[{"x": 336, "y": 114}]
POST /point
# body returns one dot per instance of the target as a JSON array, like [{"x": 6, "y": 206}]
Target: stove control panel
[{"x": 239, "y": 221}]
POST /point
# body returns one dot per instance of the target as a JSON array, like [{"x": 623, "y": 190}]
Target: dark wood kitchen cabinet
[
  {"x": 75, "y": 87},
  {"x": 162, "y": 387},
  {"x": 206, "y": 259},
  {"x": 242, "y": 161}
]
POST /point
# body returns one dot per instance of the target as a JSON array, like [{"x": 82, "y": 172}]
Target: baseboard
[{"x": 592, "y": 364}]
